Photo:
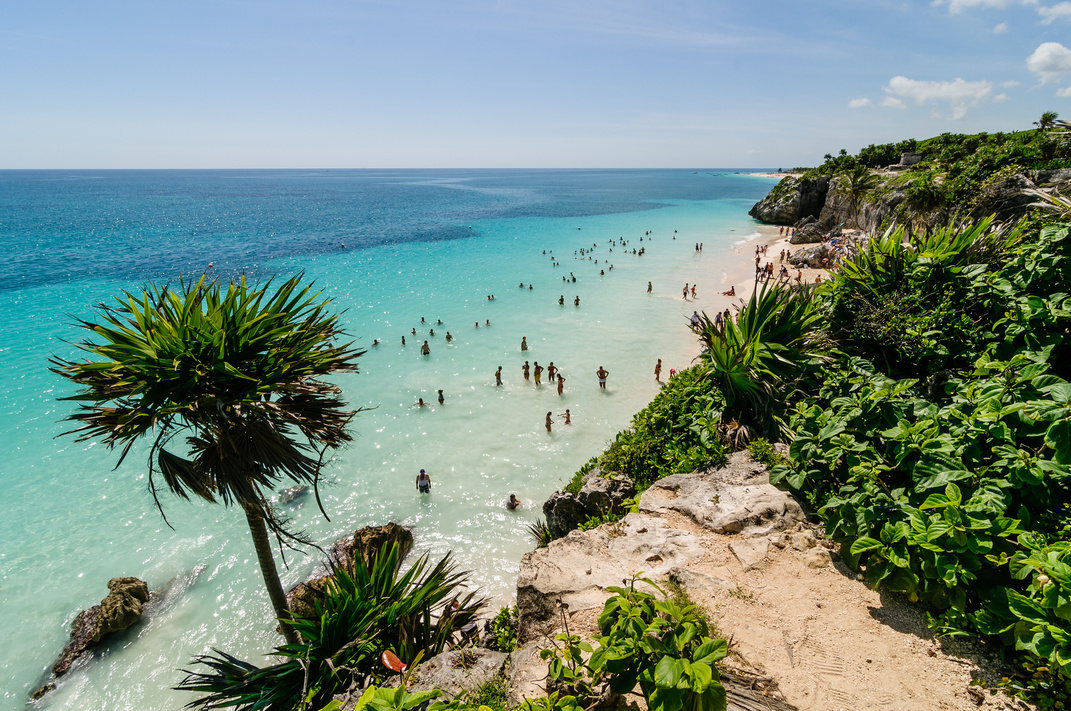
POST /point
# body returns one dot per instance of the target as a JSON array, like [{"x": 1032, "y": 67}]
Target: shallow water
[{"x": 418, "y": 244}]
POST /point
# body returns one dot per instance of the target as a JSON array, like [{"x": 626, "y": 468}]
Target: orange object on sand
[{"x": 390, "y": 661}]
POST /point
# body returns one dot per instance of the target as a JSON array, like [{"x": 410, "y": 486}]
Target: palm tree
[
  {"x": 858, "y": 181},
  {"x": 236, "y": 370},
  {"x": 1047, "y": 120}
]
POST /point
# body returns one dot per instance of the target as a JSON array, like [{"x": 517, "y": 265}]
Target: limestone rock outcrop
[
  {"x": 791, "y": 200},
  {"x": 598, "y": 495},
  {"x": 120, "y": 609}
]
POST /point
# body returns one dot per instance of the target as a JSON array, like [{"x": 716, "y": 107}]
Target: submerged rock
[{"x": 287, "y": 496}]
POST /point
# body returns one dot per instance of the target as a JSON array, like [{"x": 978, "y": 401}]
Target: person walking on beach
[
  {"x": 423, "y": 482},
  {"x": 425, "y": 349},
  {"x": 695, "y": 319},
  {"x": 549, "y": 422},
  {"x": 602, "y": 373},
  {"x": 524, "y": 343},
  {"x": 657, "y": 371},
  {"x": 498, "y": 376},
  {"x": 538, "y": 373},
  {"x": 526, "y": 369},
  {"x": 685, "y": 297},
  {"x": 693, "y": 290},
  {"x": 561, "y": 384}
]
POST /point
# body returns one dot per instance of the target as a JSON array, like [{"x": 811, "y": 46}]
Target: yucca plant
[
  {"x": 758, "y": 356},
  {"x": 235, "y": 370},
  {"x": 415, "y": 614}
]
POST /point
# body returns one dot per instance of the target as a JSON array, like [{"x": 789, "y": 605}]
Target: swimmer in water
[
  {"x": 498, "y": 376},
  {"x": 375, "y": 343},
  {"x": 524, "y": 343},
  {"x": 425, "y": 349},
  {"x": 487, "y": 322},
  {"x": 403, "y": 340},
  {"x": 449, "y": 337},
  {"x": 513, "y": 502},
  {"x": 567, "y": 416},
  {"x": 549, "y": 422},
  {"x": 442, "y": 400}
]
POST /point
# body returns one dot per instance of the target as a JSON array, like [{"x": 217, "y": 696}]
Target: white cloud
[
  {"x": 960, "y": 95},
  {"x": 859, "y": 103},
  {"x": 893, "y": 102},
  {"x": 1000, "y": 29},
  {"x": 1050, "y": 61},
  {"x": 1060, "y": 9},
  {"x": 1064, "y": 93},
  {"x": 999, "y": 98},
  {"x": 1009, "y": 84},
  {"x": 955, "y": 6}
]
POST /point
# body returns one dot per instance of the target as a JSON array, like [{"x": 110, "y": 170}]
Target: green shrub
[
  {"x": 764, "y": 453},
  {"x": 504, "y": 629}
]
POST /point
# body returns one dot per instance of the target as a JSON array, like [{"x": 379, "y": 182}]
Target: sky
[{"x": 511, "y": 84}]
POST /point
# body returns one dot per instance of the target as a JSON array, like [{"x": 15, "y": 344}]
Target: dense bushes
[{"x": 937, "y": 447}]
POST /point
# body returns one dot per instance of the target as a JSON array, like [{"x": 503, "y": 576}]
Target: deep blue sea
[{"x": 390, "y": 248}]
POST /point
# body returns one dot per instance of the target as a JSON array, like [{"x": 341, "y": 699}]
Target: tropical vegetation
[
  {"x": 233, "y": 376},
  {"x": 365, "y": 610}
]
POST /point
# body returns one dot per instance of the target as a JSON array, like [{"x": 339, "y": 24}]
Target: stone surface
[
  {"x": 458, "y": 670},
  {"x": 790, "y": 200},
  {"x": 120, "y": 609},
  {"x": 803, "y": 541},
  {"x": 526, "y": 672},
  {"x": 577, "y": 569},
  {"x": 695, "y": 581},
  {"x": 721, "y": 507},
  {"x": 599, "y": 494},
  {"x": 817, "y": 557},
  {"x": 750, "y": 551}
]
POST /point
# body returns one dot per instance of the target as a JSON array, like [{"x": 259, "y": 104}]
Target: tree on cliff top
[
  {"x": 234, "y": 369},
  {"x": 1047, "y": 120}
]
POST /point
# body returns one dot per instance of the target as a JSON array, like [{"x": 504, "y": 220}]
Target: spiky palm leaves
[
  {"x": 756, "y": 358},
  {"x": 238, "y": 371},
  {"x": 857, "y": 182},
  {"x": 363, "y": 612}
]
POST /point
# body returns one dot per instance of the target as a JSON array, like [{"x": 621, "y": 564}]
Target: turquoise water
[{"x": 418, "y": 244}]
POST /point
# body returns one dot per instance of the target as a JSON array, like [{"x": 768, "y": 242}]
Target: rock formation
[
  {"x": 791, "y": 200},
  {"x": 598, "y": 495}
]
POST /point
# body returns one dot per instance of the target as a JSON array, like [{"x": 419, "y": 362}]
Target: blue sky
[{"x": 400, "y": 84}]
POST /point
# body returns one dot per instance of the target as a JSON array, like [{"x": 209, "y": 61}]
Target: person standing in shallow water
[
  {"x": 425, "y": 349},
  {"x": 423, "y": 482},
  {"x": 524, "y": 343},
  {"x": 602, "y": 373},
  {"x": 538, "y": 372},
  {"x": 442, "y": 400},
  {"x": 658, "y": 371},
  {"x": 549, "y": 422},
  {"x": 561, "y": 384},
  {"x": 526, "y": 369},
  {"x": 498, "y": 376},
  {"x": 649, "y": 287}
]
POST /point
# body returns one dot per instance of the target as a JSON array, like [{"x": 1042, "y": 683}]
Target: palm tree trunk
[{"x": 262, "y": 545}]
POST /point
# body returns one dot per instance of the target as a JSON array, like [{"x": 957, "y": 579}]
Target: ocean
[{"x": 389, "y": 248}]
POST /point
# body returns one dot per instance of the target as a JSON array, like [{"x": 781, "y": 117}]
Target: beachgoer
[
  {"x": 576, "y": 301},
  {"x": 529, "y": 287},
  {"x": 477, "y": 325},
  {"x": 498, "y": 376},
  {"x": 431, "y": 331},
  {"x": 551, "y": 370},
  {"x": 693, "y": 291},
  {"x": 685, "y": 297},
  {"x": 413, "y": 332},
  {"x": 403, "y": 340},
  {"x": 649, "y": 287},
  {"x": 449, "y": 337},
  {"x": 425, "y": 349},
  {"x": 658, "y": 371},
  {"x": 442, "y": 400},
  {"x": 549, "y": 422},
  {"x": 525, "y": 368},
  {"x": 524, "y": 343},
  {"x": 423, "y": 482},
  {"x": 422, "y": 319},
  {"x": 439, "y": 323},
  {"x": 561, "y": 300},
  {"x": 602, "y": 373},
  {"x": 568, "y": 417},
  {"x": 695, "y": 319},
  {"x": 487, "y": 322},
  {"x": 375, "y": 343},
  {"x": 561, "y": 385},
  {"x": 538, "y": 372},
  {"x": 420, "y": 402},
  {"x": 513, "y": 502}
]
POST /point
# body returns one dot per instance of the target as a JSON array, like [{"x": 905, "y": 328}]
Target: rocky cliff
[{"x": 817, "y": 205}]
